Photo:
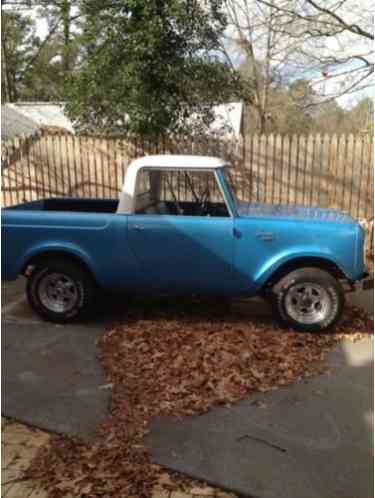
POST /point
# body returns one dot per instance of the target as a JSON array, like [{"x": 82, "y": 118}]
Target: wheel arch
[
  {"x": 301, "y": 262},
  {"x": 56, "y": 253}
]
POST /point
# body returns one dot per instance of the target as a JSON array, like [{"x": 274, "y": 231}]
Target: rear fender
[{"x": 58, "y": 249}]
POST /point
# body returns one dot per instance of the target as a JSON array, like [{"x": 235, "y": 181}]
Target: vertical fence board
[
  {"x": 296, "y": 168},
  {"x": 281, "y": 168},
  {"x": 362, "y": 148},
  {"x": 256, "y": 159},
  {"x": 53, "y": 168},
  {"x": 329, "y": 178},
  {"x": 337, "y": 162},
  {"x": 39, "y": 169},
  {"x": 353, "y": 179},
  {"x": 265, "y": 171},
  {"x": 244, "y": 173},
  {"x": 312, "y": 169},
  {"x": 30, "y": 170},
  {"x": 80, "y": 170},
  {"x": 249, "y": 163},
  {"x": 22, "y": 191},
  {"x": 320, "y": 169},
  {"x": 345, "y": 164},
  {"x": 16, "y": 183},
  {"x": 88, "y": 162},
  {"x": 370, "y": 182}
]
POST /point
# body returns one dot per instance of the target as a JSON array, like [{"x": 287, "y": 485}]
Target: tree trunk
[
  {"x": 262, "y": 122},
  {"x": 65, "y": 11},
  {"x": 5, "y": 81},
  {"x": 9, "y": 82}
]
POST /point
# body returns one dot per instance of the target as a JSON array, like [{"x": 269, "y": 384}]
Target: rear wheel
[
  {"x": 308, "y": 299},
  {"x": 60, "y": 291}
]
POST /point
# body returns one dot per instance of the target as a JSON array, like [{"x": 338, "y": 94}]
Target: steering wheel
[
  {"x": 177, "y": 206},
  {"x": 204, "y": 201},
  {"x": 179, "y": 209}
]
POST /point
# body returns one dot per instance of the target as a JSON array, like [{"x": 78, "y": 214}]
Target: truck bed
[{"x": 70, "y": 205}]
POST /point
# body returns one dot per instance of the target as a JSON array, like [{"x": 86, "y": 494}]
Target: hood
[{"x": 250, "y": 210}]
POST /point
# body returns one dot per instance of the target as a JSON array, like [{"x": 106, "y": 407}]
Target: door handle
[
  {"x": 139, "y": 227},
  {"x": 265, "y": 235}
]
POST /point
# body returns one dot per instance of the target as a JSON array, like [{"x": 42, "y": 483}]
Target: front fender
[{"x": 273, "y": 265}]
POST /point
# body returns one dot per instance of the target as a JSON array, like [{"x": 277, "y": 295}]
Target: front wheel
[
  {"x": 308, "y": 299},
  {"x": 60, "y": 291}
]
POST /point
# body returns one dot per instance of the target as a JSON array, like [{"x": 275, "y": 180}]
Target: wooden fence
[{"x": 319, "y": 170}]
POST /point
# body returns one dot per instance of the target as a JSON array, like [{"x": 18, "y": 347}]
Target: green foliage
[
  {"x": 148, "y": 66},
  {"x": 44, "y": 79},
  {"x": 36, "y": 69},
  {"x": 16, "y": 46}
]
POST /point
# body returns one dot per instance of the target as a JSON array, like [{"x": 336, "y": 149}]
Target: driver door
[{"x": 182, "y": 253}]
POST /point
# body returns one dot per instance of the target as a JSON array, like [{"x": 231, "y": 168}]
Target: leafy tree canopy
[
  {"x": 148, "y": 66},
  {"x": 16, "y": 45},
  {"x": 36, "y": 68}
]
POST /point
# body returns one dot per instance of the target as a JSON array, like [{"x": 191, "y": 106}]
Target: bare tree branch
[{"x": 354, "y": 28}]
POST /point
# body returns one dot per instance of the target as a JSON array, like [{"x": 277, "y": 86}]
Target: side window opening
[
  {"x": 142, "y": 191},
  {"x": 181, "y": 193}
]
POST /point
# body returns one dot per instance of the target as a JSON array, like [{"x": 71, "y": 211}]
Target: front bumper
[{"x": 366, "y": 282}]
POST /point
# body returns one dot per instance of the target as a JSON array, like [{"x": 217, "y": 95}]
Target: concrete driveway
[
  {"x": 312, "y": 439},
  {"x": 51, "y": 378},
  {"x": 50, "y": 375}
]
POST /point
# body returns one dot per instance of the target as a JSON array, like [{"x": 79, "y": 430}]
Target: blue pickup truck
[{"x": 179, "y": 229}]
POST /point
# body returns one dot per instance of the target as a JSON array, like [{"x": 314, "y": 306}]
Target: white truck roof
[
  {"x": 165, "y": 161},
  {"x": 177, "y": 161}
]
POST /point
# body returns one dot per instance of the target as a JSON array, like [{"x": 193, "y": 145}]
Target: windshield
[
  {"x": 179, "y": 192},
  {"x": 231, "y": 185}
]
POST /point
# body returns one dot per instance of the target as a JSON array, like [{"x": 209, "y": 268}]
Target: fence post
[
  {"x": 359, "y": 198},
  {"x": 344, "y": 171},
  {"x": 250, "y": 165},
  {"x": 28, "y": 165},
  {"x": 370, "y": 181},
  {"x": 329, "y": 170},
  {"x": 352, "y": 174},
  {"x": 337, "y": 173},
  {"x": 321, "y": 183},
  {"x": 256, "y": 169}
]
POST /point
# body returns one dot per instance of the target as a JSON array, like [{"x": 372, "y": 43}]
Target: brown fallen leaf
[{"x": 178, "y": 360}]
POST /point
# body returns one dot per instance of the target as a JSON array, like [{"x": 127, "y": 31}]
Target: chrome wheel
[
  {"x": 307, "y": 303},
  {"x": 58, "y": 292}
]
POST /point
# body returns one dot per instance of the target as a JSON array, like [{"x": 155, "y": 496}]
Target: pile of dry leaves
[{"x": 177, "y": 362}]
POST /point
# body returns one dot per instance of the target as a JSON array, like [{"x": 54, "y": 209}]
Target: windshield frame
[
  {"x": 217, "y": 176},
  {"x": 226, "y": 180}
]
